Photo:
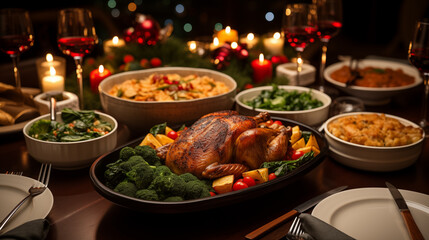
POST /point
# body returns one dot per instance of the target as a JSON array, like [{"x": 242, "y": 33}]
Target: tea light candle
[
  {"x": 274, "y": 45},
  {"x": 227, "y": 35},
  {"x": 215, "y": 44},
  {"x": 262, "y": 69},
  {"x": 250, "y": 39},
  {"x": 115, "y": 42},
  {"x": 98, "y": 75},
  {"x": 53, "y": 82},
  {"x": 192, "y": 45},
  {"x": 50, "y": 62}
]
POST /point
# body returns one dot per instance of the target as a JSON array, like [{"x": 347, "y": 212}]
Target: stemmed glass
[
  {"x": 299, "y": 27},
  {"x": 418, "y": 55},
  {"x": 329, "y": 23},
  {"x": 76, "y": 38},
  {"x": 16, "y": 37}
]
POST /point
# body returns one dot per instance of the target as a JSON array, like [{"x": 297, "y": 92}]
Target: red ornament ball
[
  {"x": 128, "y": 58},
  {"x": 155, "y": 62},
  {"x": 146, "y": 30}
]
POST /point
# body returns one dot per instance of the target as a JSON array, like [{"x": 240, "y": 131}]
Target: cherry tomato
[
  {"x": 239, "y": 180},
  {"x": 249, "y": 181},
  {"x": 272, "y": 176},
  {"x": 239, "y": 185},
  {"x": 172, "y": 134},
  {"x": 296, "y": 154},
  {"x": 212, "y": 194},
  {"x": 278, "y": 122}
]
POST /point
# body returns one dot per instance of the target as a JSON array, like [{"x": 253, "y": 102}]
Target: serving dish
[
  {"x": 374, "y": 96},
  {"x": 312, "y": 117},
  {"x": 370, "y": 158},
  {"x": 70, "y": 155},
  {"x": 99, "y": 166},
  {"x": 139, "y": 116},
  {"x": 14, "y": 188},
  {"x": 371, "y": 213}
]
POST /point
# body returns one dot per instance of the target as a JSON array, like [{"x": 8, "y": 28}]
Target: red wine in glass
[
  {"x": 328, "y": 29},
  {"x": 419, "y": 57},
  {"x": 15, "y": 44},
  {"x": 300, "y": 37},
  {"x": 76, "y": 46}
]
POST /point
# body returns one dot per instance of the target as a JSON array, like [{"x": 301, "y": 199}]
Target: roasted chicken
[{"x": 225, "y": 143}]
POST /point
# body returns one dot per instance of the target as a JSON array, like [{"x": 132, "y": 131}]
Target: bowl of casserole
[
  {"x": 374, "y": 141},
  {"x": 144, "y": 98}
]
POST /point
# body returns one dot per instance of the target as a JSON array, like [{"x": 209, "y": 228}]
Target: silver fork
[
  {"x": 14, "y": 173},
  {"x": 295, "y": 231},
  {"x": 44, "y": 174}
]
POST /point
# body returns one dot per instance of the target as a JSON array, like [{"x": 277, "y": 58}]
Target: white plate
[
  {"x": 371, "y": 213},
  {"x": 374, "y": 96},
  {"x": 13, "y": 189}
]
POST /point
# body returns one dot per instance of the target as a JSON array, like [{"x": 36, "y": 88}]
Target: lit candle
[
  {"x": 192, "y": 45},
  {"x": 53, "y": 82},
  {"x": 98, "y": 75},
  {"x": 262, "y": 69},
  {"x": 114, "y": 43},
  {"x": 274, "y": 45},
  {"x": 215, "y": 44},
  {"x": 250, "y": 39},
  {"x": 227, "y": 35}
]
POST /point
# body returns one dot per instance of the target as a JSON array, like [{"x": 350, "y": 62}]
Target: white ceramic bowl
[
  {"x": 70, "y": 155},
  {"x": 379, "y": 159},
  {"x": 312, "y": 117},
  {"x": 141, "y": 116},
  {"x": 375, "y": 96},
  {"x": 307, "y": 75}
]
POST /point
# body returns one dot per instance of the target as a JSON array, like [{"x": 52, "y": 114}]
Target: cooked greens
[
  {"x": 77, "y": 126},
  {"x": 283, "y": 100}
]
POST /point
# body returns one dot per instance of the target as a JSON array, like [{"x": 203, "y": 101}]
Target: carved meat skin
[{"x": 210, "y": 142}]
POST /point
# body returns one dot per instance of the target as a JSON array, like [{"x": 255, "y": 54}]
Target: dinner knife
[
  {"x": 298, "y": 209},
  {"x": 412, "y": 228}
]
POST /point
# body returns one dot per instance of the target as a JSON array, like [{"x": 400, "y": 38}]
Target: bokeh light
[
  {"x": 218, "y": 26},
  {"x": 115, "y": 13},
  {"x": 187, "y": 27},
  {"x": 111, "y": 3},
  {"x": 180, "y": 8},
  {"x": 132, "y": 7},
  {"x": 269, "y": 16}
]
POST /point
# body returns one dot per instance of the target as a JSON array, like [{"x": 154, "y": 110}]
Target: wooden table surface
[{"x": 79, "y": 212}]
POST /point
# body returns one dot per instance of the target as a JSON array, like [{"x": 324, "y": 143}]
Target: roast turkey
[{"x": 224, "y": 143}]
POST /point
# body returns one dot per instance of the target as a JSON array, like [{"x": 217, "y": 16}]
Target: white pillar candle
[
  {"x": 115, "y": 42},
  {"x": 274, "y": 44},
  {"x": 250, "y": 39},
  {"x": 53, "y": 82}
]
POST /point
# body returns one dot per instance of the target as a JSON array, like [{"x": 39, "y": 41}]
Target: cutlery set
[{"x": 295, "y": 232}]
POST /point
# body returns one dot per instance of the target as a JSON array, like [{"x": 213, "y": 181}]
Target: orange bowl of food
[
  {"x": 380, "y": 79},
  {"x": 374, "y": 141}
]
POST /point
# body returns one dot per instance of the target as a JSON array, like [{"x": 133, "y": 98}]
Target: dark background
[{"x": 370, "y": 27}]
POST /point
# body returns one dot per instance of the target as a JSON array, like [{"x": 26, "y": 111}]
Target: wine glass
[
  {"x": 16, "y": 37},
  {"x": 418, "y": 55},
  {"x": 299, "y": 27},
  {"x": 76, "y": 38},
  {"x": 329, "y": 23}
]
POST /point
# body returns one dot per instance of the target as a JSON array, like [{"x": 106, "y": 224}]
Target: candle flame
[
  {"x": 234, "y": 45},
  {"x": 228, "y": 29},
  {"x": 192, "y": 45},
  {"x": 115, "y": 40},
  {"x": 101, "y": 69},
  {"x": 261, "y": 58},
  {"x": 250, "y": 36},
  {"x": 216, "y": 41},
  {"x": 52, "y": 71},
  {"x": 276, "y": 35},
  {"x": 49, "y": 57}
]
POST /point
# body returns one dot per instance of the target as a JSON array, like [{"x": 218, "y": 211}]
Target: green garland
[{"x": 172, "y": 52}]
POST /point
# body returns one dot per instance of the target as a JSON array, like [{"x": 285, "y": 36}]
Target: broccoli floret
[
  {"x": 142, "y": 174},
  {"x": 187, "y": 177},
  {"x": 126, "y": 188},
  {"x": 196, "y": 189},
  {"x": 114, "y": 174},
  {"x": 147, "y": 194},
  {"x": 162, "y": 171},
  {"x": 173, "y": 199},
  {"x": 126, "y": 152},
  {"x": 132, "y": 161},
  {"x": 169, "y": 185},
  {"x": 148, "y": 153}
]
